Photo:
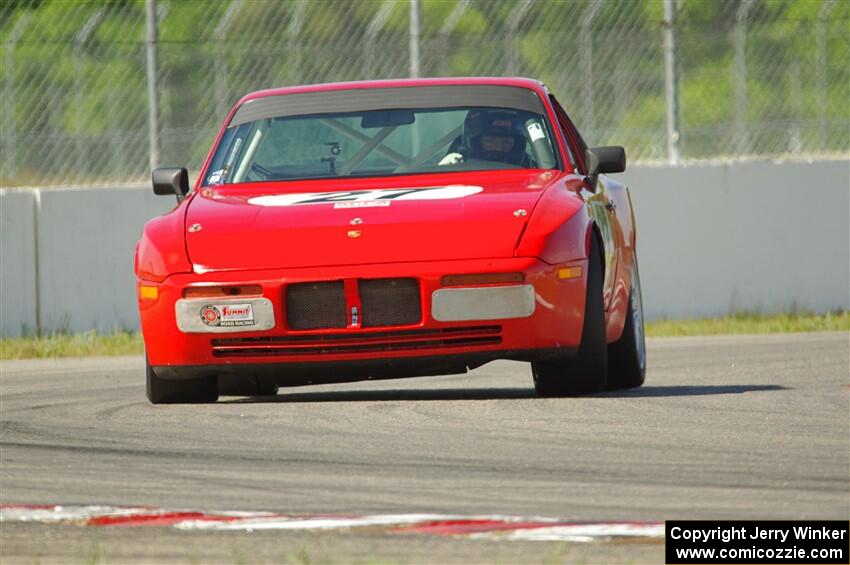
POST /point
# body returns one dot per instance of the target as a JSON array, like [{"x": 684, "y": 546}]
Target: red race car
[{"x": 386, "y": 229}]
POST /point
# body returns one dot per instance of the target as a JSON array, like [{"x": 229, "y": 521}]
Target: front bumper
[{"x": 435, "y": 344}]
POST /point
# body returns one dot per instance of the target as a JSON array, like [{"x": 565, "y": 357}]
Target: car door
[{"x": 600, "y": 206}]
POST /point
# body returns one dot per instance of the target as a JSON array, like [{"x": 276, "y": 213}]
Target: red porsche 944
[{"x": 386, "y": 229}]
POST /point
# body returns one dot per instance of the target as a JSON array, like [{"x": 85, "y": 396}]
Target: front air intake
[
  {"x": 339, "y": 343},
  {"x": 316, "y": 305},
  {"x": 390, "y": 302}
]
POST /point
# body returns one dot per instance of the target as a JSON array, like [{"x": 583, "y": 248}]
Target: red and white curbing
[{"x": 475, "y": 527}]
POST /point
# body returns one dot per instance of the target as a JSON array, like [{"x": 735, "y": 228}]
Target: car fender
[
  {"x": 620, "y": 196},
  {"x": 161, "y": 250},
  {"x": 623, "y": 235},
  {"x": 559, "y": 228}
]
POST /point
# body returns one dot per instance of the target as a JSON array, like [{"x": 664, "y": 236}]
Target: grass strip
[
  {"x": 751, "y": 324},
  {"x": 88, "y": 344}
]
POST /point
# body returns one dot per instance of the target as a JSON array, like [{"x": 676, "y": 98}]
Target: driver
[{"x": 489, "y": 135}]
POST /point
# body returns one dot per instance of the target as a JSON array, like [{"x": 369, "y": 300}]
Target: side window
[
  {"x": 577, "y": 146},
  {"x": 229, "y": 148}
]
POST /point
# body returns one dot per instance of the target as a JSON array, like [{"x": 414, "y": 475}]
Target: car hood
[{"x": 318, "y": 223}]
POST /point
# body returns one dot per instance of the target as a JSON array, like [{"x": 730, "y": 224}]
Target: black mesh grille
[
  {"x": 311, "y": 306},
  {"x": 389, "y": 302}
]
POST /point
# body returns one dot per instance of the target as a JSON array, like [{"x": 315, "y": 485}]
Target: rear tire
[
  {"x": 627, "y": 356},
  {"x": 189, "y": 391},
  {"x": 587, "y": 372}
]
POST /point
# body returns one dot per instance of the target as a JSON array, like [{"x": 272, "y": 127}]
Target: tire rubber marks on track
[{"x": 477, "y": 527}]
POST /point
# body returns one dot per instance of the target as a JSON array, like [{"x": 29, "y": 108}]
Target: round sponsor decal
[{"x": 210, "y": 315}]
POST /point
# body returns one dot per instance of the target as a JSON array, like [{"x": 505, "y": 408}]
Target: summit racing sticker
[
  {"x": 227, "y": 315},
  {"x": 367, "y": 198}
]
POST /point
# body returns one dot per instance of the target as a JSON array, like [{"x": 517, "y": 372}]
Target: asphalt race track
[{"x": 726, "y": 427}]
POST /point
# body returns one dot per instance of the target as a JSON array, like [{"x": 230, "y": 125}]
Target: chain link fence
[{"x": 748, "y": 78}]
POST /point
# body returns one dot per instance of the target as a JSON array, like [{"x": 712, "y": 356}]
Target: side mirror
[
  {"x": 172, "y": 181},
  {"x": 611, "y": 159}
]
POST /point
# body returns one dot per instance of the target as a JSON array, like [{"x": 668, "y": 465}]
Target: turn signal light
[
  {"x": 222, "y": 291},
  {"x": 565, "y": 273},
  {"x": 148, "y": 292},
  {"x": 483, "y": 278}
]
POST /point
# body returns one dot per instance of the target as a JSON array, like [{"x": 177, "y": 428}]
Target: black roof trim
[{"x": 364, "y": 99}]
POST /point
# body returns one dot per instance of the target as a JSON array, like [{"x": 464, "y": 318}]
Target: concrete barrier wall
[
  {"x": 744, "y": 236},
  {"x": 17, "y": 262},
  {"x": 86, "y": 240},
  {"x": 712, "y": 239}
]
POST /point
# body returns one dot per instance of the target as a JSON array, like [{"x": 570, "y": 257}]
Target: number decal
[{"x": 378, "y": 195}]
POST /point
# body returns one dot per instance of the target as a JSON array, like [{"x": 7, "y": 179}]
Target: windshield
[{"x": 382, "y": 142}]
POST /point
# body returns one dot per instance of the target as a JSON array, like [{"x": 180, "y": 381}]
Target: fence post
[
  {"x": 512, "y": 43},
  {"x": 153, "y": 102},
  {"x": 742, "y": 137},
  {"x": 220, "y": 83},
  {"x": 293, "y": 45},
  {"x": 83, "y": 152},
  {"x": 372, "y": 30},
  {"x": 414, "y": 38},
  {"x": 795, "y": 139},
  {"x": 447, "y": 28},
  {"x": 671, "y": 81},
  {"x": 119, "y": 166},
  {"x": 10, "y": 144},
  {"x": 589, "y": 126},
  {"x": 821, "y": 70},
  {"x": 10, "y": 125}
]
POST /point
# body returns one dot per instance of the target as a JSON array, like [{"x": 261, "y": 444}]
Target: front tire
[
  {"x": 190, "y": 391},
  {"x": 587, "y": 372},
  {"x": 627, "y": 356}
]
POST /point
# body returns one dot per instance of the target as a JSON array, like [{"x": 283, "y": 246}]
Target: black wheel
[
  {"x": 585, "y": 373},
  {"x": 627, "y": 356},
  {"x": 247, "y": 385},
  {"x": 189, "y": 391}
]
